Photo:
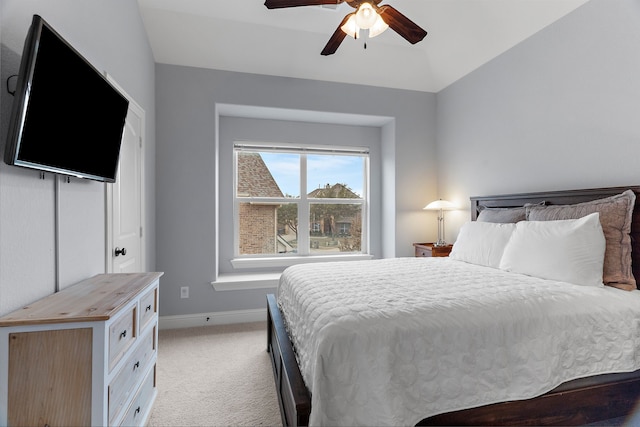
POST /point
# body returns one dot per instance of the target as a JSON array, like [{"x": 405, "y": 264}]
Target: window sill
[
  {"x": 240, "y": 263},
  {"x": 239, "y": 282}
]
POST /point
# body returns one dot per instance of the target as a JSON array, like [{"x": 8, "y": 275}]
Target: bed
[{"x": 585, "y": 399}]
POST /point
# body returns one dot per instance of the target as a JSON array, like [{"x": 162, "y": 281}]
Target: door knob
[{"x": 122, "y": 251}]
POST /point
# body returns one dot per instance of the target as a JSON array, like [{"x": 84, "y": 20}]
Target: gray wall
[
  {"x": 187, "y": 99},
  {"x": 110, "y": 34},
  {"x": 559, "y": 111}
]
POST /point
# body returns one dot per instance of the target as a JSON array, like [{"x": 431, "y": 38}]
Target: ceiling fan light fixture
[
  {"x": 350, "y": 27},
  {"x": 366, "y": 16},
  {"x": 378, "y": 28}
]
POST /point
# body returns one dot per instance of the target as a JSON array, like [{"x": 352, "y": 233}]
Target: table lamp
[{"x": 440, "y": 205}]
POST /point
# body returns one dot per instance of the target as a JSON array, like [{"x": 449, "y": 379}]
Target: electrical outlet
[{"x": 184, "y": 292}]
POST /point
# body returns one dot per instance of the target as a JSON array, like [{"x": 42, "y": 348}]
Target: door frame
[{"x": 133, "y": 105}]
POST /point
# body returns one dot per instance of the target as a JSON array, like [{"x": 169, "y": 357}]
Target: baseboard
[{"x": 216, "y": 318}]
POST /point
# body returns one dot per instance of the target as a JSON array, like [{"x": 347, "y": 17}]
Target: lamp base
[{"x": 440, "y": 243}]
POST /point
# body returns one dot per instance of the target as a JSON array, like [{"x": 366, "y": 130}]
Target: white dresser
[{"x": 83, "y": 356}]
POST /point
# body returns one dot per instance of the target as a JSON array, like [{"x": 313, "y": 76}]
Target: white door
[{"x": 125, "y": 200}]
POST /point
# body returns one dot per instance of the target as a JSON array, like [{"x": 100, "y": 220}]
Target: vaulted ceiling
[{"x": 244, "y": 36}]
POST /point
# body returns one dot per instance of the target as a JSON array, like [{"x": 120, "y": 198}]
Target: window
[{"x": 300, "y": 201}]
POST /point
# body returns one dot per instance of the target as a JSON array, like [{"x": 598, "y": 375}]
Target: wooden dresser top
[{"x": 94, "y": 299}]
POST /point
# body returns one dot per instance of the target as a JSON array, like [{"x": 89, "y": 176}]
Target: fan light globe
[
  {"x": 366, "y": 16},
  {"x": 350, "y": 27},
  {"x": 378, "y": 28}
]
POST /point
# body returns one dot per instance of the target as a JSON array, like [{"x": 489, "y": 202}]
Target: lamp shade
[{"x": 440, "y": 205}]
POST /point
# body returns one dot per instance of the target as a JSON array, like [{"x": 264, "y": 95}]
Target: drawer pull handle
[
  {"x": 148, "y": 308},
  {"x": 136, "y": 365},
  {"x": 137, "y": 411},
  {"x": 123, "y": 334}
]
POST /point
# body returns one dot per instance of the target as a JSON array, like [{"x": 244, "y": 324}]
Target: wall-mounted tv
[{"x": 66, "y": 117}]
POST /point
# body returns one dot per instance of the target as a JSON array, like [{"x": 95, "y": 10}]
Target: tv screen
[{"x": 66, "y": 117}]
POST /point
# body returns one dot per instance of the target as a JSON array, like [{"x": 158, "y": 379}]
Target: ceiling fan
[{"x": 368, "y": 16}]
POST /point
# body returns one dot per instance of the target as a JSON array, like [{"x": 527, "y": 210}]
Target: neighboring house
[
  {"x": 258, "y": 231},
  {"x": 332, "y": 222}
]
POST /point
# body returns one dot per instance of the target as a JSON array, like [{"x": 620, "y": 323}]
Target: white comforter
[{"x": 390, "y": 342}]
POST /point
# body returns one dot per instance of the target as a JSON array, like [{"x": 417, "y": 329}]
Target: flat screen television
[{"x": 66, "y": 117}]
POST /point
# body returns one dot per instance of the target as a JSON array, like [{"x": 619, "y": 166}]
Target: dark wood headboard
[{"x": 568, "y": 197}]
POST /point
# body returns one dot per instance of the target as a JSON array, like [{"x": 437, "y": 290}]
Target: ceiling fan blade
[
  {"x": 334, "y": 42},
  {"x": 401, "y": 24},
  {"x": 278, "y": 4}
]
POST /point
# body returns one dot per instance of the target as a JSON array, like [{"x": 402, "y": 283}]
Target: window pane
[
  {"x": 263, "y": 174},
  {"x": 330, "y": 176},
  {"x": 287, "y": 228},
  {"x": 335, "y": 228}
]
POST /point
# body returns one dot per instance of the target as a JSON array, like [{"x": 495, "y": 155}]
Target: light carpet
[{"x": 215, "y": 376}]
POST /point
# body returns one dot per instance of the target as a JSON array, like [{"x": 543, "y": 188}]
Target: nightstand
[{"x": 429, "y": 250}]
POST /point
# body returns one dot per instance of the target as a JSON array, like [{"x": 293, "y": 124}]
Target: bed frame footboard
[{"x": 293, "y": 396}]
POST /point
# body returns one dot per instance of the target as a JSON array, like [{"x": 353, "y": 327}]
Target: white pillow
[
  {"x": 565, "y": 250},
  {"x": 482, "y": 243}
]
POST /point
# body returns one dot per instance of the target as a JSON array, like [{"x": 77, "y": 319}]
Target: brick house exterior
[{"x": 258, "y": 222}]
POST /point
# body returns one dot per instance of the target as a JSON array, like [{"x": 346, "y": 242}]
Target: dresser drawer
[
  {"x": 422, "y": 252},
  {"x": 122, "y": 334},
  {"x": 148, "y": 307},
  {"x": 141, "y": 405},
  {"x": 130, "y": 376}
]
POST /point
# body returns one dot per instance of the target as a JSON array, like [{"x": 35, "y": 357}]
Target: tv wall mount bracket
[{"x": 11, "y": 92}]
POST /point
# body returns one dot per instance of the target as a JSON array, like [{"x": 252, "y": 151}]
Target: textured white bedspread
[{"x": 393, "y": 341}]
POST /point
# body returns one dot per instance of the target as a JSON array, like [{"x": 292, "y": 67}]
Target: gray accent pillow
[
  {"x": 502, "y": 215},
  {"x": 615, "y": 218}
]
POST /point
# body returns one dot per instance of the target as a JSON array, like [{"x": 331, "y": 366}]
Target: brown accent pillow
[{"x": 615, "y": 218}]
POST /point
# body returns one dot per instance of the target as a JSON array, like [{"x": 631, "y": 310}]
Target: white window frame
[{"x": 303, "y": 255}]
